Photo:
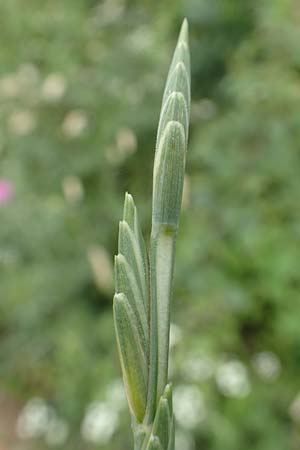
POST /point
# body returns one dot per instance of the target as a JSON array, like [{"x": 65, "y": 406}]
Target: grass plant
[{"x": 144, "y": 277}]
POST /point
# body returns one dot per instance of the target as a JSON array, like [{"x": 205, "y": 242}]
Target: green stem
[
  {"x": 162, "y": 252},
  {"x": 152, "y": 380},
  {"x": 164, "y": 263}
]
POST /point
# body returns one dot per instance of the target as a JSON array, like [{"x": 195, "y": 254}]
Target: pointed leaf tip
[
  {"x": 162, "y": 422},
  {"x": 178, "y": 80},
  {"x": 174, "y": 109},
  {"x": 129, "y": 210},
  {"x": 184, "y": 31},
  {"x": 168, "y": 394}
]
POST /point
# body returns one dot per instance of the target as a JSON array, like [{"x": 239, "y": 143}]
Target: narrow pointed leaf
[
  {"x": 132, "y": 357},
  {"x": 181, "y": 52},
  {"x": 178, "y": 78},
  {"x": 162, "y": 423},
  {"x": 168, "y": 176},
  {"x": 130, "y": 216},
  {"x": 168, "y": 395},
  {"x": 142, "y": 248},
  {"x": 178, "y": 81},
  {"x": 129, "y": 247},
  {"x": 129, "y": 210},
  {"x": 171, "y": 445},
  {"x": 174, "y": 109},
  {"x": 126, "y": 283}
]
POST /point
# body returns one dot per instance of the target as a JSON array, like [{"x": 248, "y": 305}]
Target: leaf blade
[
  {"x": 168, "y": 176},
  {"x": 133, "y": 360},
  {"x": 126, "y": 283}
]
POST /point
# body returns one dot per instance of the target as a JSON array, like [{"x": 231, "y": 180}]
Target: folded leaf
[
  {"x": 181, "y": 52},
  {"x": 130, "y": 216},
  {"x": 178, "y": 81},
  {"x": 162, "y": 423},
  {"x": 132, "y": 357},
  {"x": 168, "y": 176},
  {"x": 171, "y": 445},
  {"x": 126, "y": 283},
  {"x": 168, "y": 395},
  {"x": 129, "y": 247},
  {"x": 129, "y": 210},
  {"x": 174, "y": 109}
]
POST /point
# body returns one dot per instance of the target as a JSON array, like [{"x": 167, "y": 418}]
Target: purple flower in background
[{"x": 6, "y": 192}]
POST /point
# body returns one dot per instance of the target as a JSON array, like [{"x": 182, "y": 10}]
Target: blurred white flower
[
  {"x": 34, "y": 419},
  {"x": 184, "y": 441},
  {"x": 108, "y": 12},
  {"x": 111, "y": 155},
  {"x": 198, "y": 368},
  {"x": 21, "y": 122},
  {"x": 10, "y": 85},
  {"x": 53, "y": 87},
  {"x": 140, "y": 39},
  {"x": 115, "y": 394},
  {"x": 126, "y": 144},
  {"x": 72, "y": 189},
  {"x": 102, "y": 267},
  {"x": 57, "y": 432},
  {"x": 14, "y": 84},
  {"x": 74, "y": 124},
  {"x": 267, "y": 365},
  {"x": 126, "y": 141},
  {"x": 175, "y": 335},
  {"x": 189, "y": 406},
  {"x": 99, "y": 423},
  {"x": 37, "y": 419},
  {"x": 294, "y": 409},
  {"x": 205, "y": 109},
  {"x": 232, "y": 379}
]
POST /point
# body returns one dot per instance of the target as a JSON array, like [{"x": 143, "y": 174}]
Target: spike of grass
[{"x": 143, "y": 289}]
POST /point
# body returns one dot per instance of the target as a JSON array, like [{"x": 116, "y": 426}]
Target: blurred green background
[{"x": 81, "y": 83}]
